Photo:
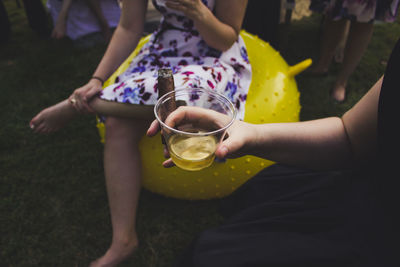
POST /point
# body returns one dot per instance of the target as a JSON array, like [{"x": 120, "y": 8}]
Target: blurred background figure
[
  {"x": 272, "y": 24},
  {"x": 5, "y": 27},
  {"x": 263, "y": 22},
  {"x": 349, "y": 22},
  {"x": 36, "y": 15},
  {"x": 86, "y": 22}
]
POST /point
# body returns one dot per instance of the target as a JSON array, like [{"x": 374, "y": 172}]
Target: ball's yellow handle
[{"x": 299, "y": 67}]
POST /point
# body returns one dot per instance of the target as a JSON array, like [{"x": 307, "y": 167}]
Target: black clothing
[
  {"x": 5, "y": 26},
  {"x": 36, "y": 14},
  {"x": 262, "y": 19}
]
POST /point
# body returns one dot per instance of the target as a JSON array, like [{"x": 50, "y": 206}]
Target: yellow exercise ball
[{"x": 272, "y": 97}]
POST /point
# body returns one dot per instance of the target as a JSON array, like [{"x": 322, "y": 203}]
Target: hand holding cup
[{"x": 193, "y": 140}]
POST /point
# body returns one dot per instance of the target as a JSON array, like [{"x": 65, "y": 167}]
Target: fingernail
[
  {"x": 224, "y": 150},
  {"x": 31, "y": 126}
]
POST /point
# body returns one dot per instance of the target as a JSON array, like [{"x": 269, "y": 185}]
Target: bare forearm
[
  {"x": 121, "y": 46},
  {"x": 66, "y": 4},
  {"x": 318, "y": 144},
  {"x": 221, "y": 28},
  {"x": 215, "y": 33},
  {"x": 219, "y": 31},
  {"x": 125, "y": 38}
]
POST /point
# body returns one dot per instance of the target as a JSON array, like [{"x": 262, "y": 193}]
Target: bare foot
[
  {"x": 339, "y": 93},
  {"x": 116, "y": 254},
  {"x": 53, "y": 118}
]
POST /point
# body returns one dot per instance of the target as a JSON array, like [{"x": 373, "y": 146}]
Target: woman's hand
[
  {"x": 219, "y": 28},
  {"x": 193, "y": 9},
  {"x": 59, "y": 30},
  {"x": 81, "y": 96},
  {"x": 154, "y": 128},
  {"x": 239, "y": 136}
]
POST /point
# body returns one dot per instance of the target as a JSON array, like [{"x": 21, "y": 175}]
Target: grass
[{"x": 53, "y": 203}]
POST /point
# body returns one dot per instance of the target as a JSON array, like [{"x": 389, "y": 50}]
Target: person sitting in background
[
  {"x": 361, "y": 15},
  {"x": 332, "y": 198},
  {"x": 79, "y": 19}
]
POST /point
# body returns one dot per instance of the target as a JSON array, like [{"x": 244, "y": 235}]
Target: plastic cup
[{"x": 192, "y": 143}]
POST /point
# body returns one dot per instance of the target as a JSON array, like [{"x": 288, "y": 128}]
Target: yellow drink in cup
[
  {"x": 191, "y": 146},
  {"x": 192, "y": 152}
]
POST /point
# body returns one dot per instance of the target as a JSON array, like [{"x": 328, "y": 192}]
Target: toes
[
  {"x": 32, "y": 124},
  {"x": 36, "y": 122}
]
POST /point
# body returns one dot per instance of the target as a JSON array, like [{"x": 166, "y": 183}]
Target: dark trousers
[
  {"x": 5, "y": 27},
  {"x": 36, "y": 14},
  {"x": 263, "y": 22},
  {"x": 37, "y": 17}
]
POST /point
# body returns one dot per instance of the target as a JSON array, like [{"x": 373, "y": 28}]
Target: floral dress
[
  {"x": 176, "y": 44},
  {"x": 358, "y": 10}
]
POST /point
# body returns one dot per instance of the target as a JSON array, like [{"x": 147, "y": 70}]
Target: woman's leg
[
  {"x": 357, "y": 42},
  {"x": 57, "y": 116},
  {"x": 53, "y": 118},
  {"x": 122, "y": 167},
  {"x": 125, "y": 126},
  {"x": 339, "y": 52},
  {"x": 333, "y": 32}
]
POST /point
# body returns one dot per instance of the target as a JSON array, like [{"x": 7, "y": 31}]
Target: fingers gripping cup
[{"x": 191, "y": 140}]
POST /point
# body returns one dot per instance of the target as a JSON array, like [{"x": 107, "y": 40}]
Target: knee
[
  {"x": 122, "y": 128},
  {"x": 116, "y": 126}
]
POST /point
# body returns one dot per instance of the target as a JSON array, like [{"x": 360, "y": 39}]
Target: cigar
[
  {"x": 165, "y": 82},
  {"x": 166, "y": 85}
]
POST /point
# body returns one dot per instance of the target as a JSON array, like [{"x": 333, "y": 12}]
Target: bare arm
[
  {"x": 317, "y": 144},
  {"x": 219, "y": 31},
  {"x": 125, "y": 37},
  {"x": 327, "y": 143},
  {"x": 124, "y": 40},
  {"x": 322, "y": 144},
  {"x": 61, "y": 22},
  {"x": 361, "y": 123},
  {"x": 95, "y": 7}
]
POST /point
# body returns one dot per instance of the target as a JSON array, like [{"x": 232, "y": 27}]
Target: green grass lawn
[{"x": 53, "y": 203}]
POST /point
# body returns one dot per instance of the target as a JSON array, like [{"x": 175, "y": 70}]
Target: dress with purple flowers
[{"x": 176, "y": 44}]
